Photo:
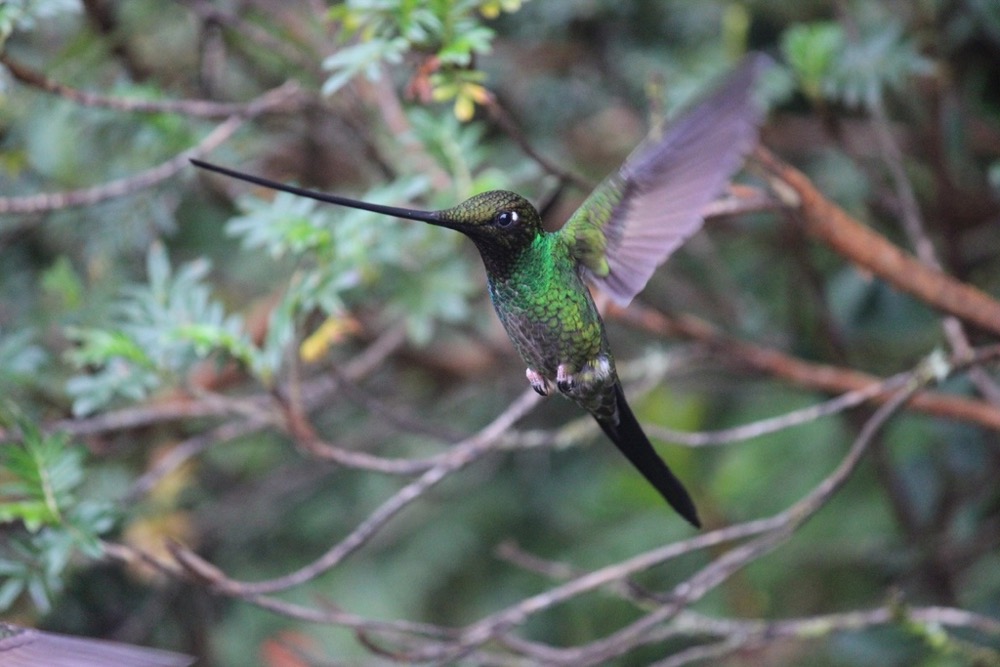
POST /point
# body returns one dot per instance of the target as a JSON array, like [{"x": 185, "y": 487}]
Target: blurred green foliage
[
  {"x": 854, "y": 72},
  {"x": 40, "y": 491},
  {"x": 162, "y": 328},
  {"x": 131, "y": 302}
]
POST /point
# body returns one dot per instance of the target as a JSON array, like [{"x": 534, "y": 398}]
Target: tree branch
[
  {"x": 823, "y": 377},
  {"x": 42, "y": 203},
  {"x": 460, "y": 456},
  {"x": 282, "y": 95},
  {"x": 871, "y": 251}
]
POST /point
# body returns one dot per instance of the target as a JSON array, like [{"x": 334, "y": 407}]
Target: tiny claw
[
  {"x": 538, "y": 382},
  {"x": 564, "y": 378}
]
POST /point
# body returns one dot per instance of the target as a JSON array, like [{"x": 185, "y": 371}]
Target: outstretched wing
[{"x": 633, "y": 220}]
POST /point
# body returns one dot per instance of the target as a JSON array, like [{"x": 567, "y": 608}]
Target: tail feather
[{"x": 628, "y": 436}]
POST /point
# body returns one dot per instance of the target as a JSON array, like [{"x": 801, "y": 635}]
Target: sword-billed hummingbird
[{"x": 627, "y": 227}]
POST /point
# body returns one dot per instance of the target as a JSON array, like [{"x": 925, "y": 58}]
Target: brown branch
[
  {"x": 871, "y": 251},
  {"x": 359, "y": 460},
  {"x": 41, "y": 203},
  {"x": 821, "y": 377},
  {"x": 913, "y": 224},
  {"x": 502, "y": 118},
  {"x": 500, "y": 622},
  {"x": 441, "y": 644},
  {"x": 768, "y": 425},
  {"x": 125, "y": 419},
  {"x": 627, "y": 589},
  {"x": 460, "y": 456},
  {"x": 742, "y": 634},
  {"x": 195, "y": 108},
  {"x": 258, "y": 413},
  {"x": 727, "y": 646},
  {"x": 263, "y": 41},
  {"x": 188, "y": 449},
  {"x": 783, "y": 526},
  {"x": 202, "y": 571}
]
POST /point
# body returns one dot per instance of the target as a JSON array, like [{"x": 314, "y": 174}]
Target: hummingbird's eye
[{"x": 506, "y": 218}]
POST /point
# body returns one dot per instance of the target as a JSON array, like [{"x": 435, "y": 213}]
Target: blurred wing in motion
[
  {"x": 25, "y": 647},
  {"x": 634, "y": 219}
]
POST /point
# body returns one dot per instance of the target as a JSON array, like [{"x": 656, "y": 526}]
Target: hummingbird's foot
[
  {"x": 595, "y": 373},
  {"x": 564, "y": 378},
  {"x": 539, "y": 383}
]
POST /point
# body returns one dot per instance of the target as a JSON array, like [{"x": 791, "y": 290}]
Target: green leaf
[
  {"x": 62, "y": 283},
  {"x": 364, "y": 57},
  {"x": 20, "y": 358},
  {"x": 33, "y": 513},
  {"x": 99, "y": 346},
  {"x": 473, "y": 41},
  {"x": 43, "y": 475},
  {"x": 811, "y": 50}
]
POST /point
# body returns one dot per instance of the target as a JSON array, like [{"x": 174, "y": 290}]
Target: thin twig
[
  {"x": 742, "y": 634},
  {"x": 41, "y": 203},
  {"x": 781, "y": 422},
  {"x": 773, "y": 532},
  {"x": 460, "y": 456},
  {"x": 260, "y": 411},
  {"x": 500, "y": 622},
  {"x": 188, "y": 449},
  {"x": 193, "y": 108},
  {"x": 720, "y": 649},
  {"x": 823, "y": 377},
  {"x": 209, "y": 12},
  {"x": 359, "y": 460},
  {"x": 786, "y": 523},
  {"x": 504, "y": 121},
  {"x": 913, "y": 225}
]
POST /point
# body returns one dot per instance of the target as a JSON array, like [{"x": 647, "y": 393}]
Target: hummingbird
[
  {"x": 28, "y": 647},
  {"x": 625, "y": 229}
]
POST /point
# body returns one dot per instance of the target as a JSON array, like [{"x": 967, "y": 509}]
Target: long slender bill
[{"x": 407, "y": 213}]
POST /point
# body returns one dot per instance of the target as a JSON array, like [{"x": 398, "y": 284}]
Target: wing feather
[
  {"x": 637, "y": 217},
  {"x": 26, "y": 647}
]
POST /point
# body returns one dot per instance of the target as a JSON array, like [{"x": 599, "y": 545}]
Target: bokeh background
[{"x": 186, "y": 359}]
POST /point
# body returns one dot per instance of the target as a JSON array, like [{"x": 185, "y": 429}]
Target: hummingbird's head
[{"x": 500, "y": 223}]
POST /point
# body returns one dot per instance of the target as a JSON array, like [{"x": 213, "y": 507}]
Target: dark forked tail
[{"x": 633, "y": 443}]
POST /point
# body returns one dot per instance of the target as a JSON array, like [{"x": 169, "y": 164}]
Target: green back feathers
[{"x": 585, "y": 234}]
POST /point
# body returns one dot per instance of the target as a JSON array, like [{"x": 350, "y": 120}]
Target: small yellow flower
[
  {"x": 492, "y": 9},
  {"x": 469, "y": 94},
  {"x": 332, "y": 331}
]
